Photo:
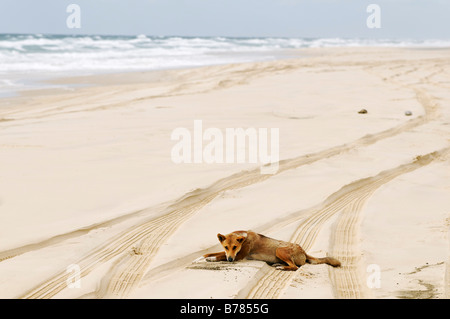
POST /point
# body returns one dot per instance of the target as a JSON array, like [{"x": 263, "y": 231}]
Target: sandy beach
[{"x": 88, "y": 185}]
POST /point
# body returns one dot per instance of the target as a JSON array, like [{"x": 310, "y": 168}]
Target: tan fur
[{"x": 241, "y": 244}]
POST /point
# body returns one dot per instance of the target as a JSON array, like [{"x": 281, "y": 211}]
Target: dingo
[{"x": 247, "y": 244}]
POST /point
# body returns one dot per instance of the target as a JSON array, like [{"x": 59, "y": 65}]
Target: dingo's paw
[
  {"x": 199, "y": 259},
  {"x": 210, "y": 259}
]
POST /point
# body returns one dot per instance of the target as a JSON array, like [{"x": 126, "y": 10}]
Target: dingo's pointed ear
[
  {"x": 221, "y": 237},
  {"x": 241, "y": 239}
]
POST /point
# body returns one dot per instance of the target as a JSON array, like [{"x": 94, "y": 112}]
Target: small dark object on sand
[
  {"x": 362, "y": 111},
  {"x": 408, "y": 113}
]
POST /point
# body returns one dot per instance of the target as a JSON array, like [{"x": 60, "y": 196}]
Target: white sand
[{"x": 86, "y": 178}]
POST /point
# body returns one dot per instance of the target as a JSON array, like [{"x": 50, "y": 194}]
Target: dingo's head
[{"x": 232, "y": 243}]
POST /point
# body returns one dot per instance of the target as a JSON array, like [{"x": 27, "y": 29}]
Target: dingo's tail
[{"x": 326, "y": 260}]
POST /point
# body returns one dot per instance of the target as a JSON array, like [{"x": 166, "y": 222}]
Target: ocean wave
[{"x": 37, "y": 52}]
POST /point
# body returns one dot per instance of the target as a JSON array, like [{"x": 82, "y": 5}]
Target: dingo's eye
[
  {"x": 234, "y": 247},
  {"x": 226, "y": 247}
]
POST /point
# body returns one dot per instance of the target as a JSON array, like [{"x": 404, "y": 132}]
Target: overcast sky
[{"x": 422, "y": 19}]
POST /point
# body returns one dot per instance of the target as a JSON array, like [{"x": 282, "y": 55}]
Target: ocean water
[{"x": 27, "y": 58}]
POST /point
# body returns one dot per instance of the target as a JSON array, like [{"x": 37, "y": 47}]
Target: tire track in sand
[
  {"x": 124, "y": 243},
  {"x": 149, "y": 235},
  {"x": 152, "y": 233},
  {"x": 269, "y": 286},
  {"x": 246, "y": 178},
  {"x": 348, "y": 201},
  {"x": 132, "y": 270},
  {"x": 127, "y": 272},
  {"x": 349, "y": 281}
]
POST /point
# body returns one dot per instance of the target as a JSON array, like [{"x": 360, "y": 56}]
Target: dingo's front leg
[{"x": 216, "y": 256}]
